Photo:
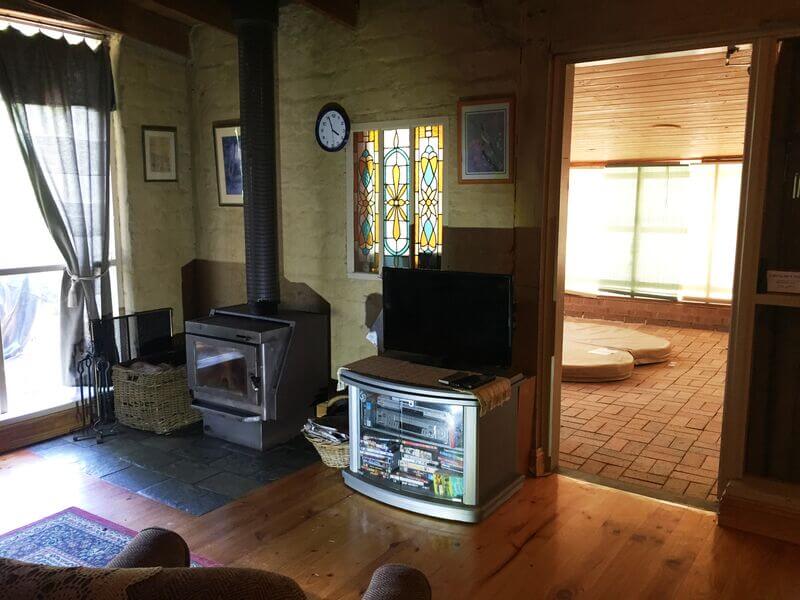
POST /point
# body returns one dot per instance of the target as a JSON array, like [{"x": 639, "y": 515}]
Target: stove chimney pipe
[{"x": 255, "y": 24}]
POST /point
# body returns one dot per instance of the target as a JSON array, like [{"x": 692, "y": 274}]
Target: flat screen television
[{"x": 454, "y": 319}]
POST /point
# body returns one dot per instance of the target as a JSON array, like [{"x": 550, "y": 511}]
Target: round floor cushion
[
  {"x": 644, "y": 348},
  {"x": 588, "y": 363}
]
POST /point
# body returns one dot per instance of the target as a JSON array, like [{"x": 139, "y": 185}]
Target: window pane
[
  {"x": 29, "y": 319},
  {"x": 366, "y": 218},
  {"x": 616, "y": 220},
  {"x": 24, "y": 238},
  {"x": 429, "y": 151},
  {"x": 725, "y": 226},
  {"x": 396, "y": 197},
  {"x": 662, "y": 228}
]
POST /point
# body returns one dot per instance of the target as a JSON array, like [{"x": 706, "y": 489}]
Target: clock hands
[{"x": 331, "y": 124}]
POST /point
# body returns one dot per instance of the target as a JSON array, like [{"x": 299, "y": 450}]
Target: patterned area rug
[{"x": 71, "y": 538}]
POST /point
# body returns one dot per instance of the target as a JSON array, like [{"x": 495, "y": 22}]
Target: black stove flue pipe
[{"x": 255, "y": 24}]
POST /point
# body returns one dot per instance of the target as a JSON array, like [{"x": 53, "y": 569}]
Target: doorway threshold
[{"x": 640, "y": 490}]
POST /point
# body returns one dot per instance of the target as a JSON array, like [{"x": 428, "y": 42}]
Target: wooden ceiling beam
[
  {"x": 126, "y": 18},
  {"x": 343, "y": 11},
  {"x": 215, "y": 13}
]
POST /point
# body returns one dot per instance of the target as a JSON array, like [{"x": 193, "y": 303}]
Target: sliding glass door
[{"x": 32, "y": 374}]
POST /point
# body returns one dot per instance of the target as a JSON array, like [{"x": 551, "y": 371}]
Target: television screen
[{"x": 457, "y": 319}]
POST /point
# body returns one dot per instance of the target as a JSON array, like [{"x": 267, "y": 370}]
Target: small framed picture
[
  {"x": 228, "y": 155},
  {"x": 486, "y": 140},
  {"x": 160, "y": 156}
]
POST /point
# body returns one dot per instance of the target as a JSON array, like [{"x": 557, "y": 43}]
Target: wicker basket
[
  {"x": 157, "y": 402},
  {"x": 333, "y": 455}
]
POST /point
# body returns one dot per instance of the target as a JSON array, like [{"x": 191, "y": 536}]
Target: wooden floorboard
[{"x": 556, "y": 538}]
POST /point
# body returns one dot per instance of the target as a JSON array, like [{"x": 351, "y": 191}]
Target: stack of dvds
[
  {"x": 379, "y": 456},
  {"x": 439, "y": 470},
  {"x": 417, "y": 463},
  {"x": 451, "y": 460},
  {"x": 448, "y": 485}
]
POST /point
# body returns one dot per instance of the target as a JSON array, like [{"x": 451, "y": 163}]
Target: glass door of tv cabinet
[{"x": 415, "y": 445}]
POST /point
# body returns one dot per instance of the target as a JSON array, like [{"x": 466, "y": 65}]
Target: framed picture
[
  {"x": 486, "y": 140},
  {"x": 228, "y": 156},
  {"x": 159, "y": 153}
]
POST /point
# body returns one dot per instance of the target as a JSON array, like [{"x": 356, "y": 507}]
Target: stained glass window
[
  {"x": 398, "y": 188},
  {"x": 428, "y": 186},
  {"x": 396, "y": 197},
  {"x": 365, "y": 202}
]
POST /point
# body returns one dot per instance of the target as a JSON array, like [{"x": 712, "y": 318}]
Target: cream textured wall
[
  {"x": 404, "y": 60},
  {"x": 156, "y": 219},
  {"x": 214, "y": 81}
]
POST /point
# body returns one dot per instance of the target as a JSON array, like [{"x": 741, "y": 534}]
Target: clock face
[{"x": 333, "y": 128}]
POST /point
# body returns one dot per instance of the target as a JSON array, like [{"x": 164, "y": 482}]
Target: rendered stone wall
[
  {"x": 403, "y": 61},
  {"x": 155, "y": 219}
]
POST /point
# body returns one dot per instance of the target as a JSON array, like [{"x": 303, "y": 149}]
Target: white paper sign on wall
[{"x": 784, "y": 282}]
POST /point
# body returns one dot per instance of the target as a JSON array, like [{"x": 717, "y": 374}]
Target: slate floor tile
[
  {"x": 271, "y": 474},
  {"x": 290, "y": 457},
  {"x": 100, "y": 465},
  {"x": 135, "y": 478},
  {"x": 65, "y": 453},
  {"x": 59, "y": 441},
  {"x": 201, "y": 453},
  {"x": 241, "y": 464},
  {"x": 185, "y": 470},
  {"x": 133, "y": 434},
  {"x": 229, "y": 484},
  {"x": 184, "y": 496},
  {"x": 189, "y": 471},
  {"x": 243, "y": 450},
  {"x": 166, "y": 443},
  {"x": 148, "y": 458},
  {"x": 118, "y": 445}
]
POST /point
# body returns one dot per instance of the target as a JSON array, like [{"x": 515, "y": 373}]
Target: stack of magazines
[{"x": 324, "y": 433}]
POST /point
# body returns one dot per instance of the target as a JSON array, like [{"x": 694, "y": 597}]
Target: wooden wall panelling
[
  {"x": 30, "y": 431},
  {"x": 684, "y": 106}
]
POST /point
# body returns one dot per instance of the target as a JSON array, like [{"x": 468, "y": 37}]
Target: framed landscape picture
[
  {"x": 486, "y": 140},
  {"x": 159, "y": 153},
  {"x": 228, "y": 154}
]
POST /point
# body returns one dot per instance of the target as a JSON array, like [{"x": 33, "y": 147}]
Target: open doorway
[{"x": 651, "y": 223}]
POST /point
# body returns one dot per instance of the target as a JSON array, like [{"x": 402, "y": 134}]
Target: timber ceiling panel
[{"x": 681, "y": 106}]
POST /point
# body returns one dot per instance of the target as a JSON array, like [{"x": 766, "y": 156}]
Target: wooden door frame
[{"x": 551, "y": 318}]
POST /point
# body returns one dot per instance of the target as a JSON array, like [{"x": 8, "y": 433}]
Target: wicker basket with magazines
[{"x": 329, "y": 437}]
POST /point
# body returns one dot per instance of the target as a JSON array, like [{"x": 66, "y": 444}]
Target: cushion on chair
[
  {"x": 153, "y": 547},
  {"x": 398, "y": 582}
]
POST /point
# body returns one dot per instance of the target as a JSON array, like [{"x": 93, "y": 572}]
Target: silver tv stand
[{"x": 488, "y": 445}]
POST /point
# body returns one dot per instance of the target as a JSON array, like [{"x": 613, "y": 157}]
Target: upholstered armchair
[{"x": 154, "y": 566}]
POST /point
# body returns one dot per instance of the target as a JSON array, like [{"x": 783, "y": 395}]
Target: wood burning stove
[
  {"x": 256, "y": 377},
  {"x": 255, "y": 370}
]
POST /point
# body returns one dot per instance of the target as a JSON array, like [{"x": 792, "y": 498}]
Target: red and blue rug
[{"x": 71, "y": 538}]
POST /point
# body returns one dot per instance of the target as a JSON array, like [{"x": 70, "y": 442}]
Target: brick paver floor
[{"x": 658, "y": 429}]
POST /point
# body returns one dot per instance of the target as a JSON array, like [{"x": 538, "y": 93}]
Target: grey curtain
[{"x": 60, "y": 97}]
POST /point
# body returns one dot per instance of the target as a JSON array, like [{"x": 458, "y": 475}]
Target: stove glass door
[{"x": 224, "y": 371}]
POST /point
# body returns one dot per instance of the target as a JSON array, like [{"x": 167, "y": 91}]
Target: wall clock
[{"x": 333, "y": 127}]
